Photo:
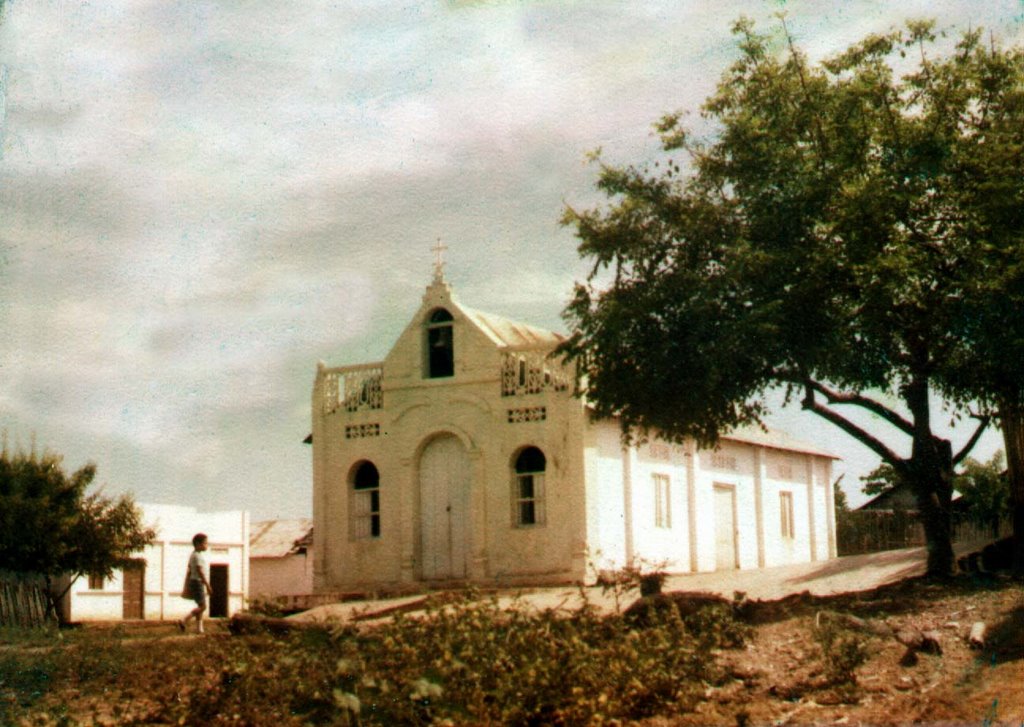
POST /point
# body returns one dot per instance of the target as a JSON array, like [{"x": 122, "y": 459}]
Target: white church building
[{"x": 464, "y": 456}]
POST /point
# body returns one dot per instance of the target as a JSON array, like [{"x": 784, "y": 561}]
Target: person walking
[{"x": 197, "y": 582}]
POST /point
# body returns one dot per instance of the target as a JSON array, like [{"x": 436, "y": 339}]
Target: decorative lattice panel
[
  {"x": 530, "y": 372},
  {"x": 722, "y": 461},
  {"x": 358, "y": 431},
  {"x": 355, "y": 389},
  {"x": 527, "y": 414}
]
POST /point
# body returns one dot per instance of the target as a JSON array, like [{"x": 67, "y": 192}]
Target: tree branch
[
  {"x": 807, "y": 95},
  {"x": 983, "y": 422},
  {"x": 861, "y": 435},
  {"x": 838, "y": 397}
]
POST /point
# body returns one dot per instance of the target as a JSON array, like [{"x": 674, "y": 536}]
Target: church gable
[{"x": 446, "y": 340}]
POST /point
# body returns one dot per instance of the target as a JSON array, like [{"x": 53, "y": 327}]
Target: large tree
[
  {"x": 50, "y": 525},
  {"x": 816, "y": 241},
  {"x": 989, "y": 177}
]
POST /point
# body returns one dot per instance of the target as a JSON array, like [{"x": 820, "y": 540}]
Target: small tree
[
  {"x": 839, "y": 497},
  {"x": 882, "y": 478},
  {"x": 49, "y": 526},
  {"x": 986, "y": 492}
]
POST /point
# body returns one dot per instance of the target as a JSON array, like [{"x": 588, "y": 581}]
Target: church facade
[{"x": 464, "y": 456}]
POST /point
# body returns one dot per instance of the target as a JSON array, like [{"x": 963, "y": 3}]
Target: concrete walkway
[{"x": 839, "y": 575}]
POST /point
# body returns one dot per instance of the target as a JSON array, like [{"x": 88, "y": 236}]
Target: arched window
[
  {"x": 528, "y": 488},
  {"x": 440, "y": 347},
  {"x": 365, "y": 502}
]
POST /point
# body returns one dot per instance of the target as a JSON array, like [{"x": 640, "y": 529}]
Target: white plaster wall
[
  {"x": 820, "y": 521},
  {"x": 166, "y": 564},
  {"x": 470, "y": 407},
  {"x": 730, "y": 464},
  {"x": 606, "y": 525},
  {"x": 780, "y": 550},
  {"x": 286, "y": 576},
  {"x": 667, "y": 547}
]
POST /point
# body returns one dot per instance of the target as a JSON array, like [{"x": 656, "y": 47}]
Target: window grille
[
  {"x": 528, "y": 488},
  {"x": 366, "y": 502}
]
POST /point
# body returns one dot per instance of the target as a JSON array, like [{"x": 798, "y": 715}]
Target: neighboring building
[
  {"x": 464, "y": 456},
  {"x": 899, "y": 497},
  {"x": 281, "y": 558},
  {"x": 151, "y": 589}
]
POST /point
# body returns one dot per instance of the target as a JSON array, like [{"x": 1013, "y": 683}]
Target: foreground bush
[{"x": 466, "y": 663}]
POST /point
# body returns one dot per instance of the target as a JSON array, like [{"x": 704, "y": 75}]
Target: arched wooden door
[{"x": 444, "y": 509}]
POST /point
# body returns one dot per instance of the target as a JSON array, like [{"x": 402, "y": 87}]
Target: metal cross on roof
[{"x": 439, "y": 249}]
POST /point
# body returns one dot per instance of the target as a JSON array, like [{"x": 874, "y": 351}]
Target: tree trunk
[
  {"x": 935, "y": 517},
  {"x": 1011, "y": 418},
  {"x": 930, "y": 474}
]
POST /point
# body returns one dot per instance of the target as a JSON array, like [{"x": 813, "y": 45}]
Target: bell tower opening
[{"x": 440, "y": 345}]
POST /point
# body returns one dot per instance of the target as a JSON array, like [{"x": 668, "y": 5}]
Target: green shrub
[
  {"x": 266, "y": 607},
  {"x": 718, "y": 626},
  {"x": 465, "y": 663},
  {"x": 842, "y": 650}
]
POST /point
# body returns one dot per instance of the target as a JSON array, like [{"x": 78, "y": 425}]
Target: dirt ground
[
  {"x": 838, "y": 575},
  {"x": 778, "y": 677}
]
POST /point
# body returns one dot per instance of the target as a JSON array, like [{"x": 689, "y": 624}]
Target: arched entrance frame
[{"x": 475, "y": 525}]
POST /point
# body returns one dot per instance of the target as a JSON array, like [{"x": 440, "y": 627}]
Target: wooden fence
[
  {"x": 869, "y": 531},
  {"x": 22, "y": 600}
]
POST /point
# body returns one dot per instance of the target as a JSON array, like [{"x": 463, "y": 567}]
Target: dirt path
[{"x": 839, "y": 575}]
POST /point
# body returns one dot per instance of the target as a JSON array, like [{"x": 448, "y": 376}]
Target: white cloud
[{"x": 199, "y": 200}]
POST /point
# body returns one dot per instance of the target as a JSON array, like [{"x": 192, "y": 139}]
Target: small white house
[
  {"x": 281, "y": 558},
  {"x": 464, "y": 456},
  {"x": 151, "y": 589}
]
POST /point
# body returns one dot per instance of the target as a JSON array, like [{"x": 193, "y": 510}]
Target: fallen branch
[
  {"x": 247, "y": 623},
  {"x": 977, "y": 636}
]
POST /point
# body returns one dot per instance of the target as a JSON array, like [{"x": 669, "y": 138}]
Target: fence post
[{"x": 22, "y": 600}]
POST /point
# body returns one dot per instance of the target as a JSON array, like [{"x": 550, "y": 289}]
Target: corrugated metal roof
[
  {"x": 278, "y": 538},
  {"x": 509, "y": 333},
  {"x": 777, "y": 439}
]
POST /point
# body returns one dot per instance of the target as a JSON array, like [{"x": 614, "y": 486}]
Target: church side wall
[
  {"x": 825, "y": 525},
  {"x": 731, "y": 467},
  {"x": 661, "y": 530},
  {"x": 606, "y": 513},
  {"x": 786, "y": 476}
]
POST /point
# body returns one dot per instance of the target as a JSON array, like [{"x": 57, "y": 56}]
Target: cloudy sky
[{"x": 200, "y": 200}]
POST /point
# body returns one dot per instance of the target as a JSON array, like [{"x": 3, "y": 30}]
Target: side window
[
  {"x": 365, "y": 510},
  {"x": 440, "y": 345},
  {"x": 96, "y": 582},
  {"x": 662, "y": 501},
  {"x": 786, "y": 512},
  {"x": 528, "y": 488}
]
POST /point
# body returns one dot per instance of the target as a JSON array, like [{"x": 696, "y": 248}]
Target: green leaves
[
  {"x": 858, "y": 223},
  {"x": 50, "y": 526},
  {"x": 830, "y": 227}
]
